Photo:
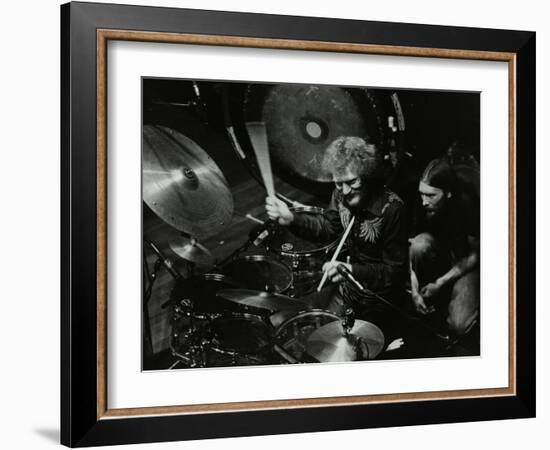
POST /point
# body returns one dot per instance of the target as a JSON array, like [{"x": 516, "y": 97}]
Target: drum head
[
  {"x": 288, "y": 244},
  {"x": 259, "y": 273}
]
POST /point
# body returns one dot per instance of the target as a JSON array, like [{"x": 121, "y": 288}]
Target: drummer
[{"x": 377, "y": 244}]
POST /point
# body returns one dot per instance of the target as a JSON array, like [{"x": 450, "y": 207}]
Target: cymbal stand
[
  {"x": 151, "y": 277},
  {"x": 348, "y": 321},
  {"x": 243, "y": 248}
]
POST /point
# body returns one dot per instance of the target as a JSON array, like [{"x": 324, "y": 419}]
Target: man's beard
[
  {"x": 436, "y": 217},
  {"x": 359, "y": 195},
  {"x": 431, "y": 214}
]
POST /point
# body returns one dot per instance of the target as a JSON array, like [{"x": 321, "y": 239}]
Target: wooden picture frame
[{"x": 85, "y": 416}]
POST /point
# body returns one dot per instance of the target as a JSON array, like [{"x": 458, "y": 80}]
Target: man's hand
[
  {"x": 421, "y": 306},
  {"x": 332, "y": 272},
  {"x": 278, "y": 210},
  {"x": 430, "y": 290}
]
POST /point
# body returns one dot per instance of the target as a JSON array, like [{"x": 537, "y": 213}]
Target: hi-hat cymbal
[
  {"x": 262, "y": 300},
  {"x": 182, "y": 184},
  {"x": 329, "y": 343},
  {"x": 192, "y": 251}
]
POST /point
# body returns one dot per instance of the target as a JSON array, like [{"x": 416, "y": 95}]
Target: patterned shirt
[{"x": 377, "y": 243}]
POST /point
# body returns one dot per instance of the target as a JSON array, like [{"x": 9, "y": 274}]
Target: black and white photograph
[{"x": 307, "y": 223}]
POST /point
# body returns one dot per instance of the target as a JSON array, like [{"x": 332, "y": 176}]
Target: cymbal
[
  {"x": 182, "y": 184},
  {"x": 302, "y": 120},
  {"x": 192, "y": 251},
  {"x": 260, "y": 299},
  {"x": 329, "y": 343}
]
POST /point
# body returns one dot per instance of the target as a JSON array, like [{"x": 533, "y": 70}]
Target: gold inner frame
[{"x": 104, "y": 35}]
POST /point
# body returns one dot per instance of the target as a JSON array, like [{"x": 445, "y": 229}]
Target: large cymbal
[
  {"x": 302, "y": 120},
  {"x": 262, "y": 300},
  {"x": 182, "y": 184},
  {"x": 329, "y": 343}
]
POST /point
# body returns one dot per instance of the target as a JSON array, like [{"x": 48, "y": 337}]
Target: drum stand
[
  {"x": 243, "y": 248},
  {"x": 347, "y": 322},
  {"x": 195, "y": 354},
  {"x": 196, "y": 344}
]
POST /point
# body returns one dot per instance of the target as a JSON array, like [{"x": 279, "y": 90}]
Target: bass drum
[{"x": 302, "y": 120}]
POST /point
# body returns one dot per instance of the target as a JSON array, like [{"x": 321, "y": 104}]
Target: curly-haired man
[{"x": 377, "y": 244}]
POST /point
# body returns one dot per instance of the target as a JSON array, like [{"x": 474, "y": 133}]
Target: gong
[{"x": 302, "y": 120}]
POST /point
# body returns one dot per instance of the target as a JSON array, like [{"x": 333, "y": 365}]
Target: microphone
[
  {"x": 345, "y": 272},
  {"x": 267, "y": 229},
  {"x": 164, "y": 260}
]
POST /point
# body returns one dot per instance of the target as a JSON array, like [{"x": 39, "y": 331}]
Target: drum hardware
[
  {"x": 151, "y": 277},
  {"x": 192, "y": 336},
  {"x": 162, "y": 260},
  {"x": 295, "y": 262},
  {"x": 235, "y": 357},
  {"x": 244, "y": 247},
  {"x": 183, "y": 185},
  {"x": 287, "y": 357},
  {"x": 346, "y": 339},
  {"x": 201, "y": 338},
  {"x": 193, "y": 103},
  {"x": 193, "y": 341},
  {"x": 335, "y": 342}
]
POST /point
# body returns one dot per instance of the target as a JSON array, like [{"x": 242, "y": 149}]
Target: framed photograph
[{"x": 278, "y": 224}]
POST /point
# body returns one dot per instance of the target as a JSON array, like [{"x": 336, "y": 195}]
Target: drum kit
[{"x": 249, "y": 309}]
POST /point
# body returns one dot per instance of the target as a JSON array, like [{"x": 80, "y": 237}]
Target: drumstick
[
  {"x": 258, "y": 137},
  {"x": 337, "y": 252},
  {"x": 255, "y": 219}
]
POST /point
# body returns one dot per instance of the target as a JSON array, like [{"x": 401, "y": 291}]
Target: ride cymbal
[{"x": 182, "y": 184}]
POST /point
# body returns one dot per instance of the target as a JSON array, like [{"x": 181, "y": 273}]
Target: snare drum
[
  {"x": 304, "y": 257},
  {"x": 292, "y": 331},
  {"x": 260, "y": 273}
]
